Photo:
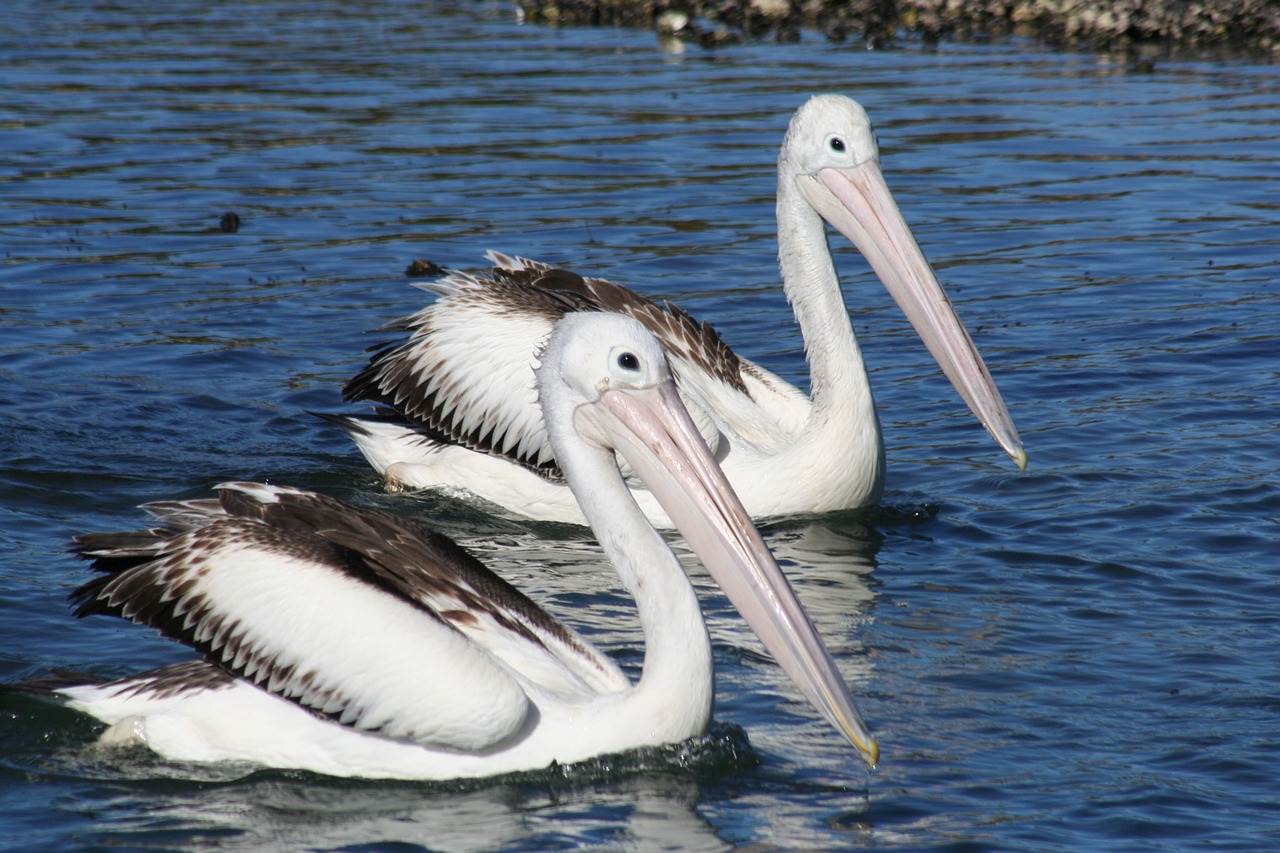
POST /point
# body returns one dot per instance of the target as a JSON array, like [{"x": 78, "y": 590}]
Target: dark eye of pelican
[
  {"x": 837, "y": 144},
  {"x": 628, "y": 361}
]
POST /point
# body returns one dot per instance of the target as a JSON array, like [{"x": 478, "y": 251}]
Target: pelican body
[
  {"x": 458, "y": 410},
  {"x": 353, "y": 641}
]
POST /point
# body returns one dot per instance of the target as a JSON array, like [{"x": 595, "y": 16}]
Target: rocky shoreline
[{"x": 1166, "y": 27}]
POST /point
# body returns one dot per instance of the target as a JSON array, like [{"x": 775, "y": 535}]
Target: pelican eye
[
  {"x": 628, "y": 361},
  {"x": 837, "y": 144}
]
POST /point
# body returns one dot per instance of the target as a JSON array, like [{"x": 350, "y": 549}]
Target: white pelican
[
  {"x": 459, "y": 411},
  {"x": 354, "y": 642}
]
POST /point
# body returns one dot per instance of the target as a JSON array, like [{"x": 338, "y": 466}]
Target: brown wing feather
[
  {"x": 413, "y": 376},
  {"x": 680, "y": 335},
  {"x": 149, "y": 577}
]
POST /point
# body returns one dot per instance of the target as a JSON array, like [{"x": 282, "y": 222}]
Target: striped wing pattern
[
  {"x": 464, "y": 375},
  {"x": 280, "y": 587}
]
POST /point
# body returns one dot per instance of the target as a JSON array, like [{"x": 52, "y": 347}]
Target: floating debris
[{"x": 424, "y": 268}]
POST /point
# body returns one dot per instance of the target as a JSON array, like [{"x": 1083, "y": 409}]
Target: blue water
[{"x": 1082, "y": 656}]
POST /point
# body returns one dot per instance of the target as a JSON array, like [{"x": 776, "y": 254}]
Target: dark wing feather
[
  {"x": 682, "y": 337},
  {"x": 464, "y": 375},
  {"x": 210, "y": 586}
]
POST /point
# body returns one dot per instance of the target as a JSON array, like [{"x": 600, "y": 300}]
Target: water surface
[{"x": 1081, "y": 656}]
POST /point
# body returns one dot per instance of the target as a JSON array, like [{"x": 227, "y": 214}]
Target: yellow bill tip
[{"x": 870, "y": 753}]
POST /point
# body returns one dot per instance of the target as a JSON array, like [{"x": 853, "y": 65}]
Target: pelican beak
[
  {"x": 665, "y": 449},
  {"x": 858, "y": 204}
]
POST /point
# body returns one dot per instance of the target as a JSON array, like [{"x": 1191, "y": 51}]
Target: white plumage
[
  {"x": 459, "y": 414},
  {"x": 353, "y": 641}
]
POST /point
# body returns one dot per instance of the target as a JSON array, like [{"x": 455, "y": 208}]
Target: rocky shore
[{"x": 1242, "y": 27}]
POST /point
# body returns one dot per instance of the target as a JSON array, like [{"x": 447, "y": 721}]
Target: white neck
[
  {"x": 674, "y": 696},
  {"x": 839, "y": 386}
]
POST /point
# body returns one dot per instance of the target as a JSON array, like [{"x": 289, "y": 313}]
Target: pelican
[
  {"x": 355, "y": 642},
  {"x": 458, "y": 412}
]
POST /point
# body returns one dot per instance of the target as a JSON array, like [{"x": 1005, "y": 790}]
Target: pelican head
[
  {"x": 605, "y": 378},
  {"x": 831, "y": 158}
]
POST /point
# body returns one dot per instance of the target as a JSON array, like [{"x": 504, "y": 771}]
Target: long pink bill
[
  {"x": 858, "y": 204},
  {"x": 667, "y": 452}
]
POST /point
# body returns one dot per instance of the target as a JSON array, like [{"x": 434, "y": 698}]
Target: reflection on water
[{"x": 638, "y": 813}]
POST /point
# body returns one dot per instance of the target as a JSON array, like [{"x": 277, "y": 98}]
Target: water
[{"x": 1078, "y": 657}]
